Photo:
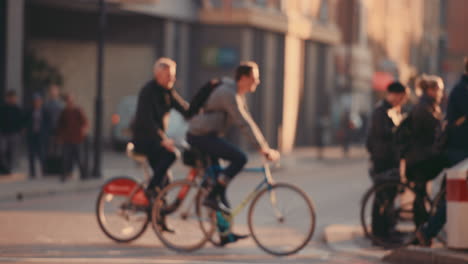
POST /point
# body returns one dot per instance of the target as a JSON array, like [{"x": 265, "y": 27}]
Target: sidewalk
[
  {"x": 18, "y": 186},
  {"x": 351, "y": 240}
]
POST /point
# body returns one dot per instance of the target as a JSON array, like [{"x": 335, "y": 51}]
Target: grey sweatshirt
[{"x": 223, "y": 108}]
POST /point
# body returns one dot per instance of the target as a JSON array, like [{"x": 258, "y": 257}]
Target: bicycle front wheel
[
  {"x": 175, "y": 207},
  {"x": 281, "y": 219},
  {"x": 122, "y": 209}
]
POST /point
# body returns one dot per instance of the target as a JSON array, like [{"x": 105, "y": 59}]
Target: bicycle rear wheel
[
  {"x": 176, "y": 206},
  {"x": 387, "y": 214},
  {"x": 122, "y": 209},
  {"x": 281, "y": 219}
]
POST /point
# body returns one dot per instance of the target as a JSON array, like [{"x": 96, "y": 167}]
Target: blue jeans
[{"x": 218, "y": 148}]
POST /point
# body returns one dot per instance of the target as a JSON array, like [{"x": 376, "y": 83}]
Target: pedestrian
[
  {"x": 456, "y": 150},
  {"x": 72, "y": 128},
  {"x": 13, "y": 120},
  {"x": 423, "y": 161},
  {"x": 346, "y": 131},
  {"x": 53, "y": 107},
  {"x": 384, "y": 154},
  {"x": 36, "y": 132}
]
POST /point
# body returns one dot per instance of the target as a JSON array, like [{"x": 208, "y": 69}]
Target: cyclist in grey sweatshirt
[{"x": 224, "y": 107}]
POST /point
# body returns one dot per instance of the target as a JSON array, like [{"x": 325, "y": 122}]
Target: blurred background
[{"x": 323, "y": 63}]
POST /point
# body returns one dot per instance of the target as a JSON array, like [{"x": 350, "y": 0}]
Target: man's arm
[
  {"x": 180, "y": 104},
  {"x": 235, "y": 107}
]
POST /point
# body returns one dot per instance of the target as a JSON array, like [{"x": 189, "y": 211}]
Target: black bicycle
[{"x": 390, "y": 202}]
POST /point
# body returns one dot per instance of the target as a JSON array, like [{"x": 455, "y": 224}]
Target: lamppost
[{"x": 99, "y": 85}]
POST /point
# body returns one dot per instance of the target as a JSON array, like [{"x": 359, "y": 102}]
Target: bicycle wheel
[
  {"x": 208, "y": 219},
  {"x": 387, "y": 214},
  {"x": 281, "y": 219},
  {"x": 122, "y": 209},
  {"x": 176, "y": 206}
]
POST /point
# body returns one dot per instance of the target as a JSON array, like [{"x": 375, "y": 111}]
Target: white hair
[{"x": 163, "y": 63}]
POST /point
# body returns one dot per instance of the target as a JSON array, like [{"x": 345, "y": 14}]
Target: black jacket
[
  {"x": 425, "y": 122},
  {"x": 380, "y": 137},
  {"x": 12, "y": 119},
  {"x": 152, "y": 114},
  {"x": 45, "y": 123},
  {"x": 458, "y": 107}
]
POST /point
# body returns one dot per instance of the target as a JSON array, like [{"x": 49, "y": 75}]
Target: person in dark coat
[
  {"x": 72, "y": 128},
  {"x": 383, "y": 152},
  {"x": 13, "y": 120},
  {"x": 423, "y": 161},
  {"x": 456, "y": 149},
  {"x": 149, "y": 127},
  {"x": 36, "y": 132}
]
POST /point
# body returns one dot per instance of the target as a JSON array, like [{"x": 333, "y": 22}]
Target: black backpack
[{"x": 200, "y": 98}]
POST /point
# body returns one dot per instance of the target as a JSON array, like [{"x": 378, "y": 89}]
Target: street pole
[{"x": 99, "y": 102}]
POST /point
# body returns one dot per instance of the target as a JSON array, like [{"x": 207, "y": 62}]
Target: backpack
[
  {"x": 200, "y": 98},
  {"x": 403, "y": 136}
]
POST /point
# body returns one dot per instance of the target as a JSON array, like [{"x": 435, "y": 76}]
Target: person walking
[
  {"x": 72, "y": 128},
  {"x": 13, "y": 120},
  {"x": 36, "y": 132}
]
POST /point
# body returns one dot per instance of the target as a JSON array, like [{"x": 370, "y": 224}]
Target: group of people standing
[
  {"x": 437, "y": 139},
  {"x": 53, "y": 129}
]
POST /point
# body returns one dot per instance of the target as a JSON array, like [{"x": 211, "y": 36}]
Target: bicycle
[
  {"x": 122, "y": 207},
  {"x": 203, "y": 223},
  {"x": 392, "y": 199}
]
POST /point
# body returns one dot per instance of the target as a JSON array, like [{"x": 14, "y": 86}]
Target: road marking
[{"x": 109, "y": 260}]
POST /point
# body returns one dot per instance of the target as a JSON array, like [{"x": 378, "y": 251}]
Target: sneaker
[
  {"x": 231, "y": 238},
  {"x": 164, "y": 227}
]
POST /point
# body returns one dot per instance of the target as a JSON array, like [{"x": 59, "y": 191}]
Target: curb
[
  {"x": 350, "y": 239},
  {"x": 60, "y": 188},
  {"x": 416, "y": 255}
]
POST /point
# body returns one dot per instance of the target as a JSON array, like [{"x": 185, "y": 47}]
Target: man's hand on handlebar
[{"x": 271, "y": 154}]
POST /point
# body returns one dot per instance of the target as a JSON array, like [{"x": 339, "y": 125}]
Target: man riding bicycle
[
  {"x": 155, "y": 101},
  {"x": 226, "y": 105}
]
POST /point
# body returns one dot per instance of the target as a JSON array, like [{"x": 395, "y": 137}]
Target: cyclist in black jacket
[{"x": 155, "y": 101}]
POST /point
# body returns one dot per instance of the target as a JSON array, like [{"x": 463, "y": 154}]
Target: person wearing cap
[
  {"x": 383, "y": 152},
  {"x": 36, "y": 131}
]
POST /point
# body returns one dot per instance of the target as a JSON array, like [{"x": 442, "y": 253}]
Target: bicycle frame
[{"x": 267, "y": 181}]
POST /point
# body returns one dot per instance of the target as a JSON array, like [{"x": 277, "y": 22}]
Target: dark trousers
[
  {"x": 8, "y": 145},
  {"x": 437, "y": 221},
  {"x": 382, "y": 222},
  {"x": 218, "y": 148},
  {"x": 72, "y": 155},
  {"x": 159, "y": 158},
  {"x": 421, "y": 173},
  {"x": 36, "y": 151}
]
